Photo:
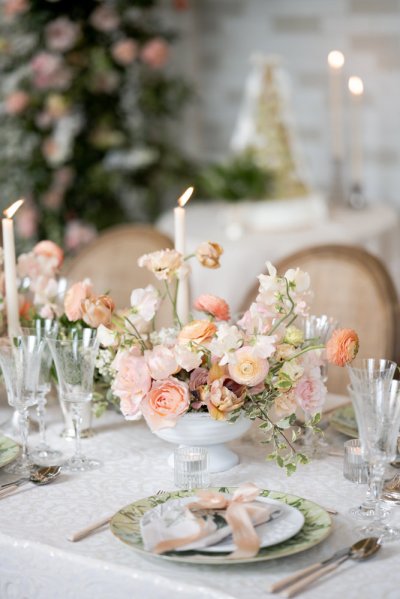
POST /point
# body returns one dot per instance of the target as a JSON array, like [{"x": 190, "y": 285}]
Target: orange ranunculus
[
  {"x": 97, "y": 310},
  {"x": 213, "y": 305},
  {"x": 74, "y": 298},
  {"x": 165, "y": 403},
  {"x": 197, "y": 331},
  {"x": 342, "y": 347},
  {"x": 208, "y": 254}
]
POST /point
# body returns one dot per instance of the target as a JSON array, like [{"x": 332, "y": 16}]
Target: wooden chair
[
  {"x": 353, "y": 286},
  {"x": 110, "y": 261}
]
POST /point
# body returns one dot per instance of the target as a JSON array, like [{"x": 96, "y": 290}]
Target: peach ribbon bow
[{"x": 240, "y": 513}]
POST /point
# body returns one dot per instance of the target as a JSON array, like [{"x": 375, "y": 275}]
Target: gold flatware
[
  {"x": 293, "y": 584},
  {"x": 85, "y": 532},
  {"x": 41, "y": 476}
]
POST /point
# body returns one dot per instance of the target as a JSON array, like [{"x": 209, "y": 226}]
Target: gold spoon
[
  {"x": 358, "y": 551},
  {"x": 41, "y": 476}
]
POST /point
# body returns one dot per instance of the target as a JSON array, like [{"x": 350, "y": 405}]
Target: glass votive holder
[
  {"x": 355, "y": 468},
  {"x": 191, "y": 468}
]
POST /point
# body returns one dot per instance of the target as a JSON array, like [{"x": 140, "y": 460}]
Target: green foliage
[
  {"x": 238, "y": 179},
  {"x": 92, "y": 145}
]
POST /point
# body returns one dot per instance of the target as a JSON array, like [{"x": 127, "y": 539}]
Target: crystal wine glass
[
  {"x": 368, "y": 375},
  {"x": 74, "y": 356},
  {"x": 20, "y": 363},
  {"x": 378, "y": 419},
  {"x": 318, "y": 329},
  {"x": 43, "y": 453}
]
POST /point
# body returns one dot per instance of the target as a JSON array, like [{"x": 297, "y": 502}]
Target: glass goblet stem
[
  {"x": 376, "y": 484},
  {"x": 41, "y": 412},
  {"x": 23, "y": 431},
  {"x": 77, "y": 422}
]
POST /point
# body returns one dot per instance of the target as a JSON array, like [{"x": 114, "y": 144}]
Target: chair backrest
[
  {"x": 110, "y": 261},
  {"x": 353, "y": 286}
]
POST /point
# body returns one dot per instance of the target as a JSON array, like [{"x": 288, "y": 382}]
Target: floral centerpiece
[{"x": 261, "y": 366}]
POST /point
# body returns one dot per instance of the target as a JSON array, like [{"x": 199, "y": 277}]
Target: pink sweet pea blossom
[
  {"x": 132, "y": 381},
  {"x": 161, "y": 362}
]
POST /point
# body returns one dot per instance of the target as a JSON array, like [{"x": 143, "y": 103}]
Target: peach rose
[
  {"x": 208, "y": 254},
  {"x": 132, "y": 381},
  {"x": 49, "y": 249},
  {"x": 74, "y": 298},
  {"x": 213, "y": 305},
  {"x": 97, "y": 310},
  {"x": 124, "y": 51},
  {"x": 165, "y": 403},
  {"x": 197, "y": 331},
  {"x": 248, "y": 369},
  {"x": 342, "y": 347}
]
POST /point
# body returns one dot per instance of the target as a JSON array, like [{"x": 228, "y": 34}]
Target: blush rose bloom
[
  {"x": 247, "y": 368},
  {"x": 165, "y": 403},
  {"x": 155, "y": 53},
  {"x": 208, "y": 254},
  {"x": 49, "y": 249},
  {"x": 161, "y": 362},
  {"x": 74, "y": 298},
  {"x": 197, "y": 331},
  {"x": 310, "y": 392},
  {"x": 213, "y": 305},
  {"x": 61, "y": 34},
  {"x": 132, "y": 381},
  {"x": 342, "y": 347},
  {"x": 97, "y": 310}
]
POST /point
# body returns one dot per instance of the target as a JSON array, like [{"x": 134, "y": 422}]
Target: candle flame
[
  {"x": 336, "y": 59},
  {"x": 356, "y": 86},
  {"x": 185, "y": 197},
  {"x": 11, "y": 210}
]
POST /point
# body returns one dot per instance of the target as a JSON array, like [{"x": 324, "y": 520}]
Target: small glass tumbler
[
  {"x": 355, "y": 468},
  {"x": 191, "y": 468}
]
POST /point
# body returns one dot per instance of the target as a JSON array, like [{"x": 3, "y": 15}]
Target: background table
[
  {"x": 37, "y": 561},
  {"x": 376, "y": 228}
]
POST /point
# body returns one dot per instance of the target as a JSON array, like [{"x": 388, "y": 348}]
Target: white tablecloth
[
  {"x": 37, "y": 561},
  {"x": 376, "y": 228}
]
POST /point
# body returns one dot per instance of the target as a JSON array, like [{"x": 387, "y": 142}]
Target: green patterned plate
[
  {"x": 125, "y": 525},
  {"x": 9, "y": 450},
  {"x": 343, "y": 420}
]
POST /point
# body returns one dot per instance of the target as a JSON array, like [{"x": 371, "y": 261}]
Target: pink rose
[
  {"x": 61, "y": 34},
  {"x": 74, "y": 298},
  {"x": 310, "y": 392},
  {"x": 124, "y": 51},
  {"x": 78, "y": 234},
  {"x": 49, "y": 71},
  {"x": 132, "y": 381},
  {"x": 165, "y": 403},
  {"x": 49, "y": 249},
  {"x": 105, "y": 19},
  {"x": 155, "y": 53},
  {"x": 161, "y": 362},
  {"x": 213, "y": 305},
  {"x": 97, "y": 310},
  {"x": 247, "y": 368},
  {"x": 16, "y": 102}
]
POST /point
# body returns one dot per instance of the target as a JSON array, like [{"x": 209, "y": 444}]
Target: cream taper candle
[
  {"x": 336, "y": 62},
  {"x": 182, "y": 300},
  {"x": 356, "y": 88},
  {"x": 10, "y": 270}
]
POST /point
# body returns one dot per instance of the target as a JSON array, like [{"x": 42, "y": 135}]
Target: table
[
  {"x": 376, "y": 228},
  {"x": 37, "y": 562}
]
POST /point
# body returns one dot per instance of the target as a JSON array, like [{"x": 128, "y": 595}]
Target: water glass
[
  {"x": 191, "y": 468},
  {"x": 355, "y": 468}
]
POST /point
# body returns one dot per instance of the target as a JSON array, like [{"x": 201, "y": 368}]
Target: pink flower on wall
[{"x": 155, "y": 53}]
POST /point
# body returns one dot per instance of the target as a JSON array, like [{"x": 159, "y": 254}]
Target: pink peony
[
  {"x": 165, "y": 403},
  {"x": 124, "y": 51},
  {"x": 105, "y": 19},
  {"x": 155, "y": 53},
  {"x": 74, "y": 298},
  {"x": 16, "y": 102},
  {"x": 61, "y": 34},
  {"x": 132, "y": 381},
  {"x": 161, "y": 362},
  {"x": 49, "y": 249},
  {"x": 247, "y": 368},
  {"x": 310, "y": 392},
  {"x": 213, "y": 305}
]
